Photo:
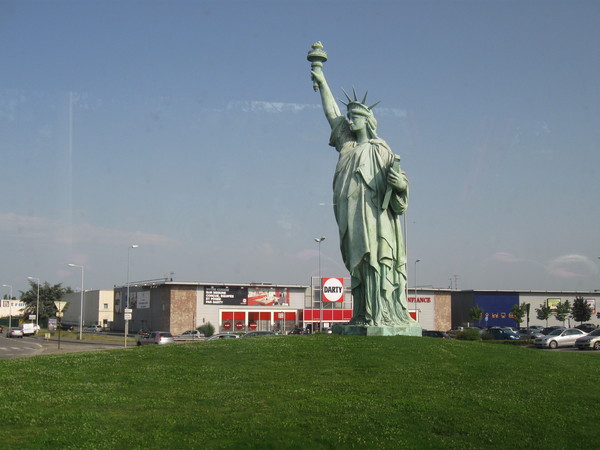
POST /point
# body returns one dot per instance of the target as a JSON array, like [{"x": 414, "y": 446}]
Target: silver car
[
  {"x": 155, "y": 337},
  {"x": 591, "y": 341},
  {"x": 561, "y": 337}
]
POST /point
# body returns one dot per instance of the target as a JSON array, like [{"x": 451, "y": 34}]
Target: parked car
[
  {"x": 532, "y": 333},
  {"x": 155, "y": 337},
  {"x": 587, "y": 327},
  {"x": 503, "y": 334},
  {"x": 561, "y": 337},
  {"x": 259, "y": 333},
  {"x": 547, "y": 330},
  {"x": 214, "y": 337},
  {"x": 190, "y": 335},
  {"x": 66, "y": 327},
  {"x": 14, "y": 332},
  {"x": 435, "y": 334},
  {"x": 93, "y": 329},
  {"x": 591, "y": 341}
]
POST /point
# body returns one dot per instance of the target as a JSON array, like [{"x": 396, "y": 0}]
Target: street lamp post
[
  {"x": 9, "y": 305},
  {"x": 318, "y": 241},
  {"x": 37, "y": 305},
  {"x": 81, "y": 302},
  {"x": 416, "y": 313},
  {"x": 127, "y": 302}
]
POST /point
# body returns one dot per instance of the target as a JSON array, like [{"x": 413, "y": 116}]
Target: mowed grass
[{"x": 321, "y": 391}]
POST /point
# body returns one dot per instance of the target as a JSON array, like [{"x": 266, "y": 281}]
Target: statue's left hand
[{"x": 396, "y": 180}]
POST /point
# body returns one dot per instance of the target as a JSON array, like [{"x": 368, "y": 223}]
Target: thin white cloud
[
  {"x": 566, "y": 266},
  {"x": 59, "y": 232},
  {"x": 280, "y": 107}
]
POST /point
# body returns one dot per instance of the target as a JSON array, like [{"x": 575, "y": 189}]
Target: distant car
[
  {"x": 591, "y": 341},
  {"x": 190, "y": 335},
  {"x": 503, "y": 334},
  {"x": 587, "y": 327},
  {"x": 66, "y": 327},
  {"x": 155, "y": 337},
  {"x": 548, "y": 330},
  {"x": 15, "y": 332},
  {"x": 259, "y": 333},
  {"x": 561, "y": 337},
  {"x": 93, "y": 329},
  {"x": 532, "y": 333},
  {"x": 214, "y": 337},
  {"x": 435, "y": 334}
]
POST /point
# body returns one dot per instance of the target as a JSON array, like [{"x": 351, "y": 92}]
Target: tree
[
  {"x": 518, "y": 312},
  {"x": 543, "y": 313},
  {"x": 582, "y": 311},
  {"x": 563, "y": 309},
  {"x": 475, "y": 314},
  {"x": 48, "y": 295},
  {"x": 207, "y": 329}
]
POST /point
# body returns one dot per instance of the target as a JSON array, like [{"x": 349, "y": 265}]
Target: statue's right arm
[{"x": 330, "y": 106}]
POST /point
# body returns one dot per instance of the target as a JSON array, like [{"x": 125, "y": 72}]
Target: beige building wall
[{"x": 98, "y": 308}]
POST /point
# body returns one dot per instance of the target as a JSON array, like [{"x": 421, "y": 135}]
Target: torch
[{"x": 317, "y": 56}]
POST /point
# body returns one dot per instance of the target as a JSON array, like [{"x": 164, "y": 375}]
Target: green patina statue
[{"x": 370, "y": 192}]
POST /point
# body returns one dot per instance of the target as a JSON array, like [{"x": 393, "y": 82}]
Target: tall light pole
[
  {"x": 127, "y": 302},
  {"x": 318, "y": 241},
  {"x": 9, "y": 305},
  {"x": 416, "y": 313},
  {"x": 81, "y": 302},
  {"x": 37, "y": 306}
]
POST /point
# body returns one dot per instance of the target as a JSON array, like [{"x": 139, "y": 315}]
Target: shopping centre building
[{"x": 238, "y": 308}]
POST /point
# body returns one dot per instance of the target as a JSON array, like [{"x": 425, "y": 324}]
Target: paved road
[
  {"x": 38, "y": 345},
  {"x": 17, "y": 347}
]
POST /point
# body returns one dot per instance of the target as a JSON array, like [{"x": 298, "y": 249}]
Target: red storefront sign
[{"x": 333, "y": 289}]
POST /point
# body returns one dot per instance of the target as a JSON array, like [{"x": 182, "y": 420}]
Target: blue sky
[{"x": 191, "y": 128}]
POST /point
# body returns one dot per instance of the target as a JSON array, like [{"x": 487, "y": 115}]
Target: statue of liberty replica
[{"x": 370, "y": 193}]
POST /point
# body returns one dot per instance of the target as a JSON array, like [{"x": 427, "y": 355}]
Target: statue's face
[{"x": 357, "y": 122}]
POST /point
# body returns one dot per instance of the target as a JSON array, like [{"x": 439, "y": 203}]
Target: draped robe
[{"x": 370, "y": 236}]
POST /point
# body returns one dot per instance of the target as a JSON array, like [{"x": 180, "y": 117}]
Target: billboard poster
[
  {"x": 552, "y": 302},
  {"x": 592, "y": 303},
  {"x": 118, "y": 302},
  {"x": 143, "y": 300},
  {"x": 225, "y": 295},
  {"x": 268, "y": 297}
]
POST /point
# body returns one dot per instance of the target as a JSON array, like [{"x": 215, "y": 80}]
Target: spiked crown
[{"x": 358, "y": 107}]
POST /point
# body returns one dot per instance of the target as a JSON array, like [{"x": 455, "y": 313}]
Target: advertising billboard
[{"x": 226, "y": 295}]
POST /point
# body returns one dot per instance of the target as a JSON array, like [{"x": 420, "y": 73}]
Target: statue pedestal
[{"x": 363, "y": 330}]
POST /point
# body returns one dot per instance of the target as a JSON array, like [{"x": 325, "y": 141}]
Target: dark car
[
  {"x": 66, "y": 327},
  {"x": 502, "y": 334},
  {"x": 259, "y": 333},
  {"x": 587, "y": 327},
  {"x": 435, "y": 334},
  {"x": 549, "y": 330}
]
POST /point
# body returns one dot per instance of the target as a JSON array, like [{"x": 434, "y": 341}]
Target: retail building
[{"x": 497, "y": 306}]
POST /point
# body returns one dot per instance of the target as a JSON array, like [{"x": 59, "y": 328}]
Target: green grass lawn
[{"x": 321, "y": 391}]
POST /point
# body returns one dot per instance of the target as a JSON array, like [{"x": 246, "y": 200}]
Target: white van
[{"x": 29, "y": 329}]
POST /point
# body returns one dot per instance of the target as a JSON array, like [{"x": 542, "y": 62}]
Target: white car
[
  {"x": 93, "y": 329},
  {"x": 155, "y": 337},
  {"x": 14, "y": 332},
  {"x": 190, "y": 335},
  {"x": 561, "y": 337}
]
